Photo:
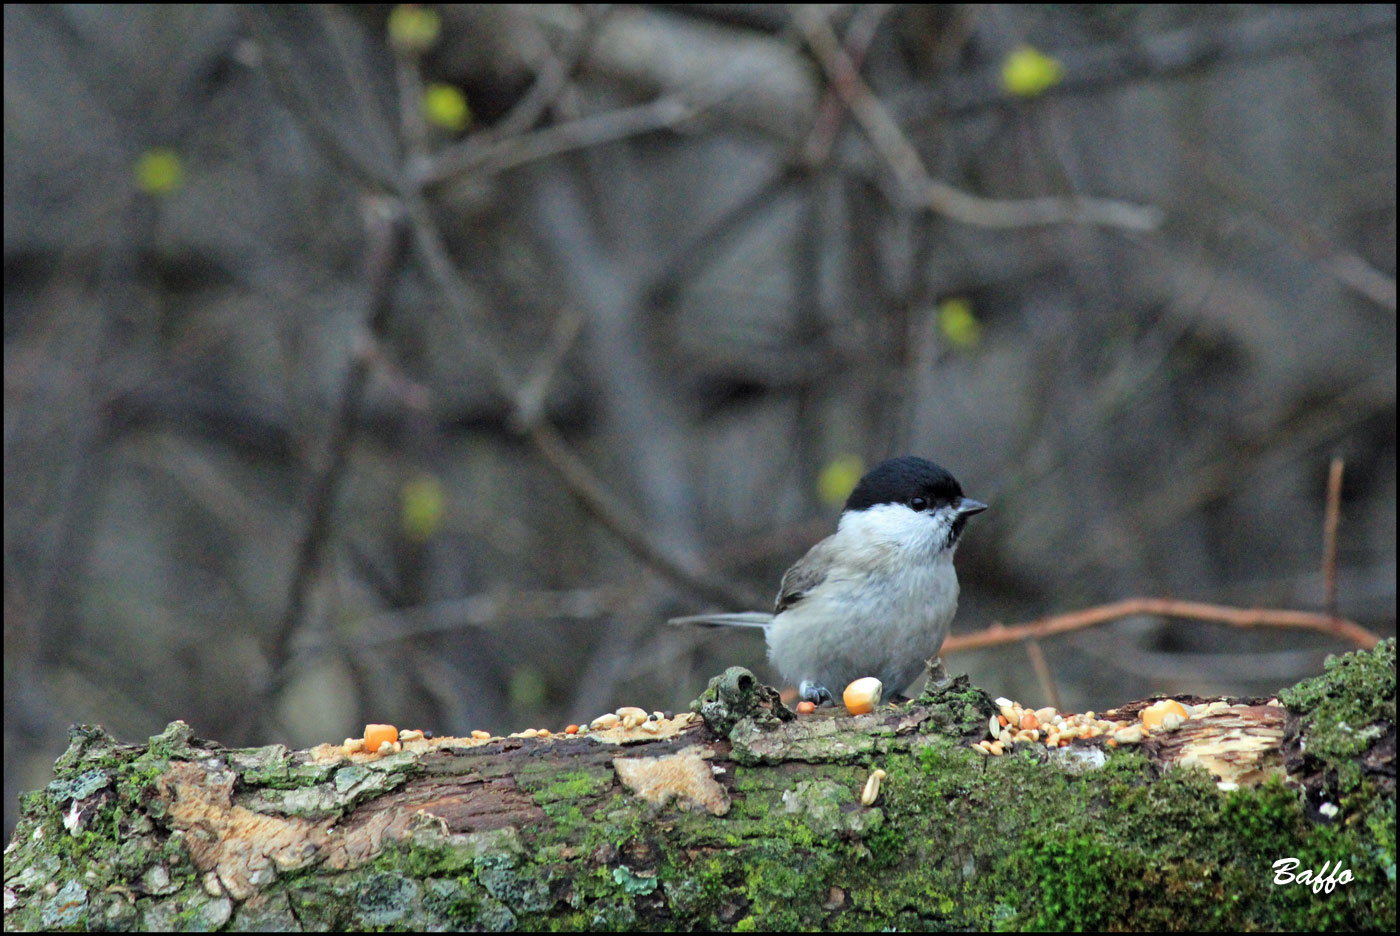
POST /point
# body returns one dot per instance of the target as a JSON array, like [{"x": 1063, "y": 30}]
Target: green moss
[
  {"x": 959, "y": 709},
  {"x": 569, "y": 786},
  {"x": 695, "y": 886},
  {"x": 1082, "y": 881},
  {"x": 1345, "y": 712}
]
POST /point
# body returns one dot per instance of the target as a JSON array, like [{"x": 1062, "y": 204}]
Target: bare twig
[
  {"x": 585, "y": 486},
  {"x": 1345, "y": 266},
  {"x": 489, "y": 611},
  {"x": 1194, "y": 484},
  {"x": 386, "y": 246},
  {"x": 1042, "y": 673},
  {"x": 431, "y": 247},
  {"x": 357, "y": 157},
  {"x": 551, "y": 79},
  {"x": 413, "y": 124},
  {"x": 919, "y": 188},
  {"x": 1210, "y": 42},
  {"x": 530, "y": 398},
  {"x": 831, "y": 112},
  {"x": 998, "y": 634},
  {"x": 545, "y": 439},
  {"x": 1329, "y": 536},
  {"x": 495, "y": 156},
  {"x": 388, "y": 225}
]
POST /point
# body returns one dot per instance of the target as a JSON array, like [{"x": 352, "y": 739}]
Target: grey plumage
[{"x": 877, "y": 597}]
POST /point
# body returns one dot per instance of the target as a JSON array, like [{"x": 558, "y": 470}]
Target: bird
[{"x": 875, "y": 598}]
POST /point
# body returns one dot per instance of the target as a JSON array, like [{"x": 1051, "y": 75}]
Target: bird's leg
[{"x": 817, "y": 695}]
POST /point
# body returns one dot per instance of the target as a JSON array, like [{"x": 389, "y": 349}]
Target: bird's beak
[{"x": 967, "y": 506}]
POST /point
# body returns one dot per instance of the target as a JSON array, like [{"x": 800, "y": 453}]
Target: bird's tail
[{"x": 737, "y": 619}]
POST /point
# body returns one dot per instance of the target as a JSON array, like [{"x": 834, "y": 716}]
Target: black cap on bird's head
[{"x": 916, "y": 483}]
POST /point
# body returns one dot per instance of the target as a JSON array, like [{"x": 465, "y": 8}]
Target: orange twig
[{"x": 999, "y": 634}]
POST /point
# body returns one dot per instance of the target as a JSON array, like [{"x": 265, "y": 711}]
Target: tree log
[{"x": 742, "y": 816}]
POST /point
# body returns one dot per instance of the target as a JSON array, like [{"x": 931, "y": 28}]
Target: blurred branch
[
  {"x": 692, "y": 258},
  {"x": 497, "y": 155},
  {"x": 1221, "y": 470},
  {"x": 1329, "y": 536},
  {"x": 997, "y": 634},
  {"x": 386, "y": 235},
  {"x": 923, "y": 191},
  {"x": 749, "y": 78},
  {"x": 534, "y": 391},
  {"x": 349, "y": 136},
  {"x": 491, "y": 611},
  {"x": 1345, "y": 266},
  {"x": 596, "y": 499},
  {"x": 1212, "y": 42},
  {"x": 831, "y": 112},
  {"x": 552, "y": 77},
  {"x": 1042, "y": 672}
]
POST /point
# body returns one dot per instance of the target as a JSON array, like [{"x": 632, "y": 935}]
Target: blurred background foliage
[{"x": 414, "y": 364}]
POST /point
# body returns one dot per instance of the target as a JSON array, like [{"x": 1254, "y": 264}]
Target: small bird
[{"x": 875, "y": 598}]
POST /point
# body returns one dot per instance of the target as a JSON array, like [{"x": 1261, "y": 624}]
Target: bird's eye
[{"x": 918, "y": 503}]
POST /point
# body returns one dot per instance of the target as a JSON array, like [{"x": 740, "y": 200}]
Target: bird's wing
[{"x": 806, "y": 574}]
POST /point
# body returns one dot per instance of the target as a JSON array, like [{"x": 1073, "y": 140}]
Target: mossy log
[{"x": 744, "y": 819}]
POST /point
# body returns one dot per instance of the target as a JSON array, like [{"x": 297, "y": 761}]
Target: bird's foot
[{"x": 818, "y": 695}]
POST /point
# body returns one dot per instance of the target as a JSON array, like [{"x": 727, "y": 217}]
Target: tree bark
[{"x": 740, "y": 816}]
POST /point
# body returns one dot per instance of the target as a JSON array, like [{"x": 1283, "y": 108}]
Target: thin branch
[
  {"x": 922, "y": 190},
  {"x": 388, "y": 225},
  {"x": 1042, "y": 673},
  {"x": 551, "y": 79},
  {"x": 493, "y": 156},
  {"x": 489, "y": 612},
  {"x": 998, "y": 634},
  {"x": 413, "y": 123},
  {"x": 954, "y": 203},
  {"x": 1329, "y": 536},
  {"x": 268, "y": 25},
  {"x": 386, "y": 247},
  {"x": 544, "y": 438},
  {"x": 831, "y": 112},
  {"x": 596, "y": 499},
  {"x": 1345, "y": 266},
  {"x": 1211, "y": 42},
  {"x": 432, "y": 249},
  {"x": 1194, "y": 484},
  {"x": 531, "y": 397}
]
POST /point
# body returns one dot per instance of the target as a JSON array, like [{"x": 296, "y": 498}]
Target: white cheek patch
[{"x": 896, "y": 524}]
